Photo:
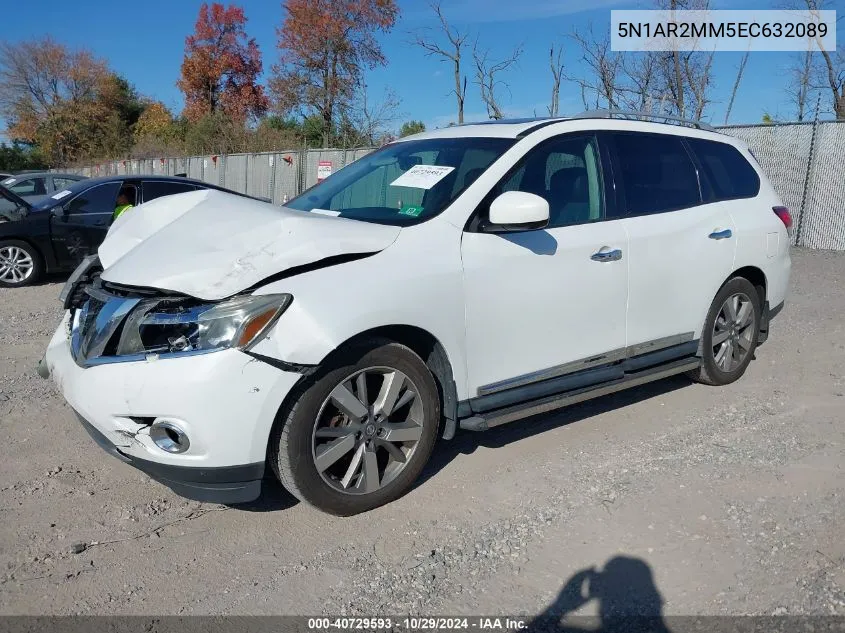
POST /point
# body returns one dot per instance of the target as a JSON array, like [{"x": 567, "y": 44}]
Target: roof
[
  {"x": 23, "y": 175},
  {"x": 104, "y": 179},
  {"x": 597, "y": 120}
]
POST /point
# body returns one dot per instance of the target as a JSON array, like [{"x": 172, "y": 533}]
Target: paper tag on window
[
  {"x": 334, "y": 214},
  {"x": 8, "y": 181},
  {"x": 60, "y": 195},
  {"x": 422, "y": 176}
]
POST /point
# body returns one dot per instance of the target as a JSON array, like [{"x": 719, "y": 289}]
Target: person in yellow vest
[{"x": 124, "y": 202}]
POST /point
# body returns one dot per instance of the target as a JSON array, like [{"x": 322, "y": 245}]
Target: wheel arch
[
  {"x": 433, "y": 353},
  {"x": 757, "y": 278}
]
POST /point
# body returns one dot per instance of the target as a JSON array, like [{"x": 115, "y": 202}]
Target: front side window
[
  {"x": 404, "y": 183},
  {"x": 656, "y": 174},
  {"x": 728, "y": 175},
  {"x": 156, "y": 189},
  {"x": 98, "y": 199},
  {"x": 565, "y": 172}
]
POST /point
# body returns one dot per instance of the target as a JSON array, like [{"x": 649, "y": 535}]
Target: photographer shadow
[{"x": 628, "y": 601}]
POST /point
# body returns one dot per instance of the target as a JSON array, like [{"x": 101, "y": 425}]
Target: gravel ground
[{"x": 674, "y": 499}]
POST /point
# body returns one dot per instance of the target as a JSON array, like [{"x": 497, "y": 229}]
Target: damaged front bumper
[
  {"x": 224, "y": 484},
  {"x": 225, "y": 402}
]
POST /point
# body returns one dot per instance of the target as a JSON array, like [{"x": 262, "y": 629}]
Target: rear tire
[
  {"x": 20, "y": 264},
  {"x": 730, "y": 333},
  {"x": 359, "y": 432}
]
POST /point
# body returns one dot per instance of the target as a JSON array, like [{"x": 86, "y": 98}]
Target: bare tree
[
  {"x": 486, "y": 72},
  {"x": 697, "y": 72},
  {"x": 451, "y": 53},
  {"x": 799, "y": 87},
  {"x": 556, "y": 65},
  {"x": 736, "y": 85},
  {"x": 686, "y": 75},
  {"x": 831, "y": 69},
  {"x": 366, "y": 122},
  {"x": 641, "y": 89},
  {"x": 603, "y": 82}
]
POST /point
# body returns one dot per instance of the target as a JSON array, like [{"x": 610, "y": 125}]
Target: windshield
[{"x": 403, "y": 183}]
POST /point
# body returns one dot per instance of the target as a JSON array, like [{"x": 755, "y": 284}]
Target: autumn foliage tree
[
  {"x": 66, "y": 102},
  {"x": 221, "y": 67},
  {"x": 325, "y": 47}
]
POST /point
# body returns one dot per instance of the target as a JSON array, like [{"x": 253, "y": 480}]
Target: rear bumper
[{"x": 225, "y": 484}]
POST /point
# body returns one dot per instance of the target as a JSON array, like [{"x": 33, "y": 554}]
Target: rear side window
[
  {"x": 62, "y": 183},
  {"x": 99, "y": 199},
  {"x": 30, "y": 187},
  {"x": 727, "y": 174},
  {"x": 157, "y": 189},
  {"x": 655, "y": 173}
]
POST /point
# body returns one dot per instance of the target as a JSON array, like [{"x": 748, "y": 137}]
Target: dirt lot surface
[{"x": 679, "y": 497}]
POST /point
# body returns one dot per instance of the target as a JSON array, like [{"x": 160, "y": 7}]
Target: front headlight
[{"x": 167, "y": 326}]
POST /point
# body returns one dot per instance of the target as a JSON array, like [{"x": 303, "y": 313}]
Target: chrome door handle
[
  {"x": 605, "y": 255},
  {"x": 720, "y": 235}
]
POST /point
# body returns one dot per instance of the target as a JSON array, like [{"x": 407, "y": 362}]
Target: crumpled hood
[{"x": 211, "y": 245}]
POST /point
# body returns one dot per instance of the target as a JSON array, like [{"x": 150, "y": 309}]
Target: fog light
[{"x": 169, "y": 437}]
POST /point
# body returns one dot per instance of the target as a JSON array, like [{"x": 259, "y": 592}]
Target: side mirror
[{"x": 518, "y": 211}]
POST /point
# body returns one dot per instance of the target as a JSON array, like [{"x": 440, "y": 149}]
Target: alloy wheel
[
  {"x": 367, "y": 430},
  {"x": 16, "y": 265},
  {"x": 733, "y": 332}
]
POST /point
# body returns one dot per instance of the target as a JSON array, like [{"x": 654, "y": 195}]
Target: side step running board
[{"x": 517, "y": 412}]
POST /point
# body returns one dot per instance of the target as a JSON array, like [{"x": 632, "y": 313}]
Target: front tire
[
  {"x": 360, "y": 431},
  {"x": 20, "y": 264},
  {"x": 730, "y": 333}
]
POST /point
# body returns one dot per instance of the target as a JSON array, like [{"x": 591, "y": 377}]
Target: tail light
[{"x": 785, "y": 217}]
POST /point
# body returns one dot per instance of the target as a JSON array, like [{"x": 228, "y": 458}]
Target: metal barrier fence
[
  {"x": 275, "y": 175},
  {"x": 804, "y": 161}
]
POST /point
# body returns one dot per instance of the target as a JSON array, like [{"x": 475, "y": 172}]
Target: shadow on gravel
[
  {"x": 627, "y": 600},
  {"x": 465, "y": 442},
  {"x": 273, "y": 497}
]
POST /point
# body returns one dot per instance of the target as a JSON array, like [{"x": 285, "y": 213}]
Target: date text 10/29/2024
[{"x": 419, "y": 623}]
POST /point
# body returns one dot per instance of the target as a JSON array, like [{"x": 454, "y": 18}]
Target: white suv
[{"x": 464, "y": 277}]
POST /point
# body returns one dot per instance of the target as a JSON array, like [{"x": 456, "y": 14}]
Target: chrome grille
[{"x": 95, "y": 324}]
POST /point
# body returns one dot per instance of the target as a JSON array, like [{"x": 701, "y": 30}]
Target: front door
[
  {"x": 549, "y": 302},
  {"x": 80, "y": 225}
]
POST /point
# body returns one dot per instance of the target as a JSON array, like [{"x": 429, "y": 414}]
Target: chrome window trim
[{"x": 587, "y": 363}]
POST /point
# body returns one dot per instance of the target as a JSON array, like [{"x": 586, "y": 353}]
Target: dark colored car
[
  {"x": 35, "y": 185},
  {"x": 55, "y": 233}
]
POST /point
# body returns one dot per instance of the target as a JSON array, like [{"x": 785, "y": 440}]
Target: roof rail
[{"x": 647, "y": 116}]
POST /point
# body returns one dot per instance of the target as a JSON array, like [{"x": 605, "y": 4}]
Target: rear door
[
  {"x": 681, "y": 249},
  {"x": 80, "y": 225}
]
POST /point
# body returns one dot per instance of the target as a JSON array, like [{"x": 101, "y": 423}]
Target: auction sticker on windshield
[
  {"x": 410, "y": 210},
  {"x": 61, "y": 194},
  {"x": 422, "y": 176},
  {"x": 8, "y": 181}
]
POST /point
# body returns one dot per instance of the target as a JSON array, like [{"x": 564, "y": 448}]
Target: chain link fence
[
  {"x": 804, "y": 161},
  {"x": 806, "y": 165}
]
